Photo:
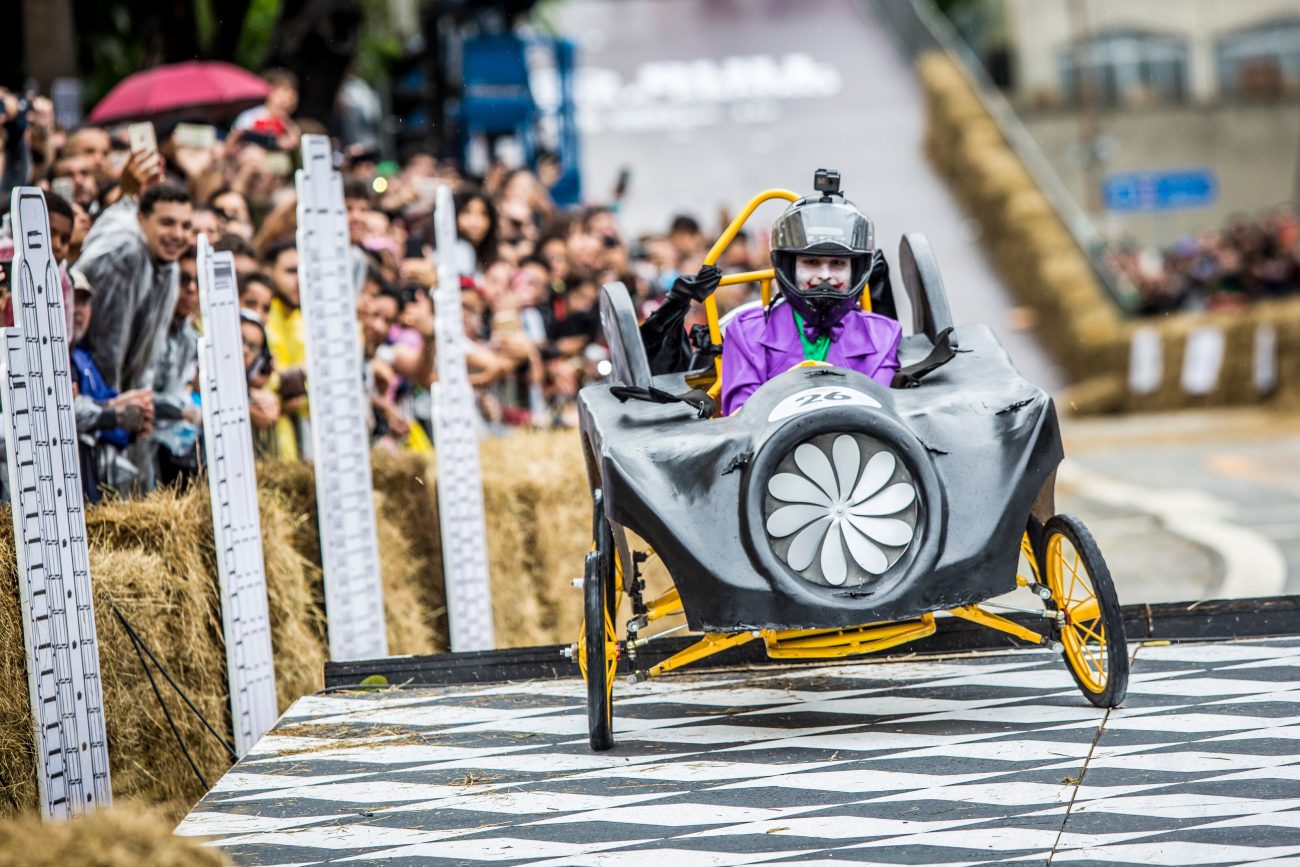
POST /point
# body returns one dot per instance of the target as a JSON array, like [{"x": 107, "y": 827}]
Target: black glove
[{"x": 699, "y": 287}]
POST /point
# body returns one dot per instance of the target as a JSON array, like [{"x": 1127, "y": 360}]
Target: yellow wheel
[
  {"x": 1091, "y": 623},
  {"x": 598, "y": 641}
]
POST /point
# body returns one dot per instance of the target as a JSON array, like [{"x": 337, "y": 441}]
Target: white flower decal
[{"x": 831, "y": 507}]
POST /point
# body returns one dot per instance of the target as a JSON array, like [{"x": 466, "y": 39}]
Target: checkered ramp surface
[{"x": 973, "y": 760}]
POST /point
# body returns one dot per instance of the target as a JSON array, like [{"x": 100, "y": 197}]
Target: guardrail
[{"x": 918, "y": 26}]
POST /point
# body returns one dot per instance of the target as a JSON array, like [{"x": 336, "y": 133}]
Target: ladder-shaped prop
[
  {"x": 455, "y": 436},
  {"x": 232, "y": 484},
  {"x": 354, "y": 604},
  {"x": 50, "y": 528}
]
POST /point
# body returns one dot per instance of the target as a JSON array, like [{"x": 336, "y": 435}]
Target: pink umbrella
[{"x": 190, "y": 86}]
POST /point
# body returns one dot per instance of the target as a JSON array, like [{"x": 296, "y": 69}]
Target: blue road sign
[{"x": 1160, "y": 190}]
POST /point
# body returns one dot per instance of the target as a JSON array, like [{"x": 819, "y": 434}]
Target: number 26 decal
[{"x": 817, "y": 398}]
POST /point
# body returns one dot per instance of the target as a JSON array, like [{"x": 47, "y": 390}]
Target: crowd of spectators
[
  {"x": 125, "y": 223},
  {"x": 1215, "y": 269}
]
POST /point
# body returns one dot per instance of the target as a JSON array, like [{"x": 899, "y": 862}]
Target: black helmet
[{"x": 823, "y": 225}]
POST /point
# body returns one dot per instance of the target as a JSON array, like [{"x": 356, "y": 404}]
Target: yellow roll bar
[
  {"x": 720, "y": 247},
  {"x": 745, "y": 277},
  {"x": 763, "y": 278}
]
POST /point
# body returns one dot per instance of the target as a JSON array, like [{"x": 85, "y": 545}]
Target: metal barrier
[{"x": 918, "y": 26}]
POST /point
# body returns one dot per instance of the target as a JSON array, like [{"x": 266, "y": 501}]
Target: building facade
[{"x": 1115, "y": 86}]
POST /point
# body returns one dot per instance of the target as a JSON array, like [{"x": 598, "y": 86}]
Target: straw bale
[
  {"x": 997, "y": 175},
  {"x": 1236, "y": 375},
  {"x": 17, "y": 757},
  {"x": 151, "y": 560},
  {"x": 154, "y": 558},
  {"x": 539, "y": 521},
  {"x": 1038, "y": 259},
  {"x": 293, "y": 593},
  {"x": 408, "y": 563},
  {"x": 126, "y": 835},
  {"x": 294, "y": 487},
  {"x": 405, "y": 586},
  {"x": 1285, "y": 317},
  {"x": 935, "y": 71},
  {"x": 406, "y": 507},
  {"x": 1029, "y": 207},
  {"x": 1098, "y": 394},
  {"x": 978, "y": 133},
  {"x": 1043, "y": 267}
]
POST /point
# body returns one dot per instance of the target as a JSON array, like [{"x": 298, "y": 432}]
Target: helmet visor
[{"x": 823, "y": 227}]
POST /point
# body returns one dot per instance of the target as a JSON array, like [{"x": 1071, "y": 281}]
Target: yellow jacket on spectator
[{"x": 284, "y": 337}]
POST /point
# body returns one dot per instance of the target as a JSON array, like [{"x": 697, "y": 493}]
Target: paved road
[{"x": 1190, "y": 505}]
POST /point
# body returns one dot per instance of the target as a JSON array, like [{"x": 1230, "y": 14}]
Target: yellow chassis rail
[
  {"x": 831, "y": 643},
  {"x": 836, "y": 643}
]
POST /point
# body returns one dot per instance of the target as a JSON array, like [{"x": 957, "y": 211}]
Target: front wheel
[
  {"x": 599, "y": 642},
  {"x": 1091, "y": 622}
]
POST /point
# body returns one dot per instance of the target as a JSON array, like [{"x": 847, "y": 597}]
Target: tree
[{"x": 317, "y": 40}]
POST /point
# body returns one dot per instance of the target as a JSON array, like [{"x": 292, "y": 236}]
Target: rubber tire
[
  {"x": 598, "y": 598},
  {"x": 1112, "y": 617}
]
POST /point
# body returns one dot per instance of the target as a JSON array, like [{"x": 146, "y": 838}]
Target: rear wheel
[
  {"x": 599, "y": 641},
  {"x": 1092, "y": 624}
]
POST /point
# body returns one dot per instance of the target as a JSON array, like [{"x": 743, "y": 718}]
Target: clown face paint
[{"x": 812, "y": 271}]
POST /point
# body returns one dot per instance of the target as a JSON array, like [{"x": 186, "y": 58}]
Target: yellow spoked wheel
[
  {"x": 1091, "y": 622},
  {"x": 598, "y": 641}
]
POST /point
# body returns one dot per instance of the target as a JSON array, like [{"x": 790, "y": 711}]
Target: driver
[{"x": 823, "y": 252}]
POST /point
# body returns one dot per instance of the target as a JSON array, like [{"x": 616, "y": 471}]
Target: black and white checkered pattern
[{"x": 981, "y": 759}]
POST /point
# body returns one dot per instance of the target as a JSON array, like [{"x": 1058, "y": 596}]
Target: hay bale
[
  {"x": 406, "y": 507},
  {"x": 1043, "y": 267},
  {"x": 1039, "y": 261},
  {"x": 409, "y": 563},
  {"x": 154, "y": 558},
  {"x": 294, "y": 600},
  {"x": 1099, "y": 394},
  {"x": 149, "y": 559},
  {"x": 127, "y": 835},
  {"x": 1286, "y": 319},
  {"x": 1029, "y": 207},
  {"x": 539, "y": 521}
]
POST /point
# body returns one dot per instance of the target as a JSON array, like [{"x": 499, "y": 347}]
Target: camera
[{"x": 827, "y": 182}]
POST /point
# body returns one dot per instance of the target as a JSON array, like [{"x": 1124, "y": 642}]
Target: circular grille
[{"x": 840, "y": 509}]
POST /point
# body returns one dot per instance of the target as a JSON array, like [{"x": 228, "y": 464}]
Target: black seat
[
  {"x": 930, "y": 314},
  {"x": 623, "y": 335}
]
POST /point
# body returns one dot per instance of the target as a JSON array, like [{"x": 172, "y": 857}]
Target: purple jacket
[{"x": 758, "y": 347}]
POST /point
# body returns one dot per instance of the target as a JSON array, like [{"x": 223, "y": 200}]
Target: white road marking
[{"x": 1253, "y": 564}]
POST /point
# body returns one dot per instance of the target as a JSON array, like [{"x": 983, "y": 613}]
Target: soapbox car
[{"x": 831, "y": 516}]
